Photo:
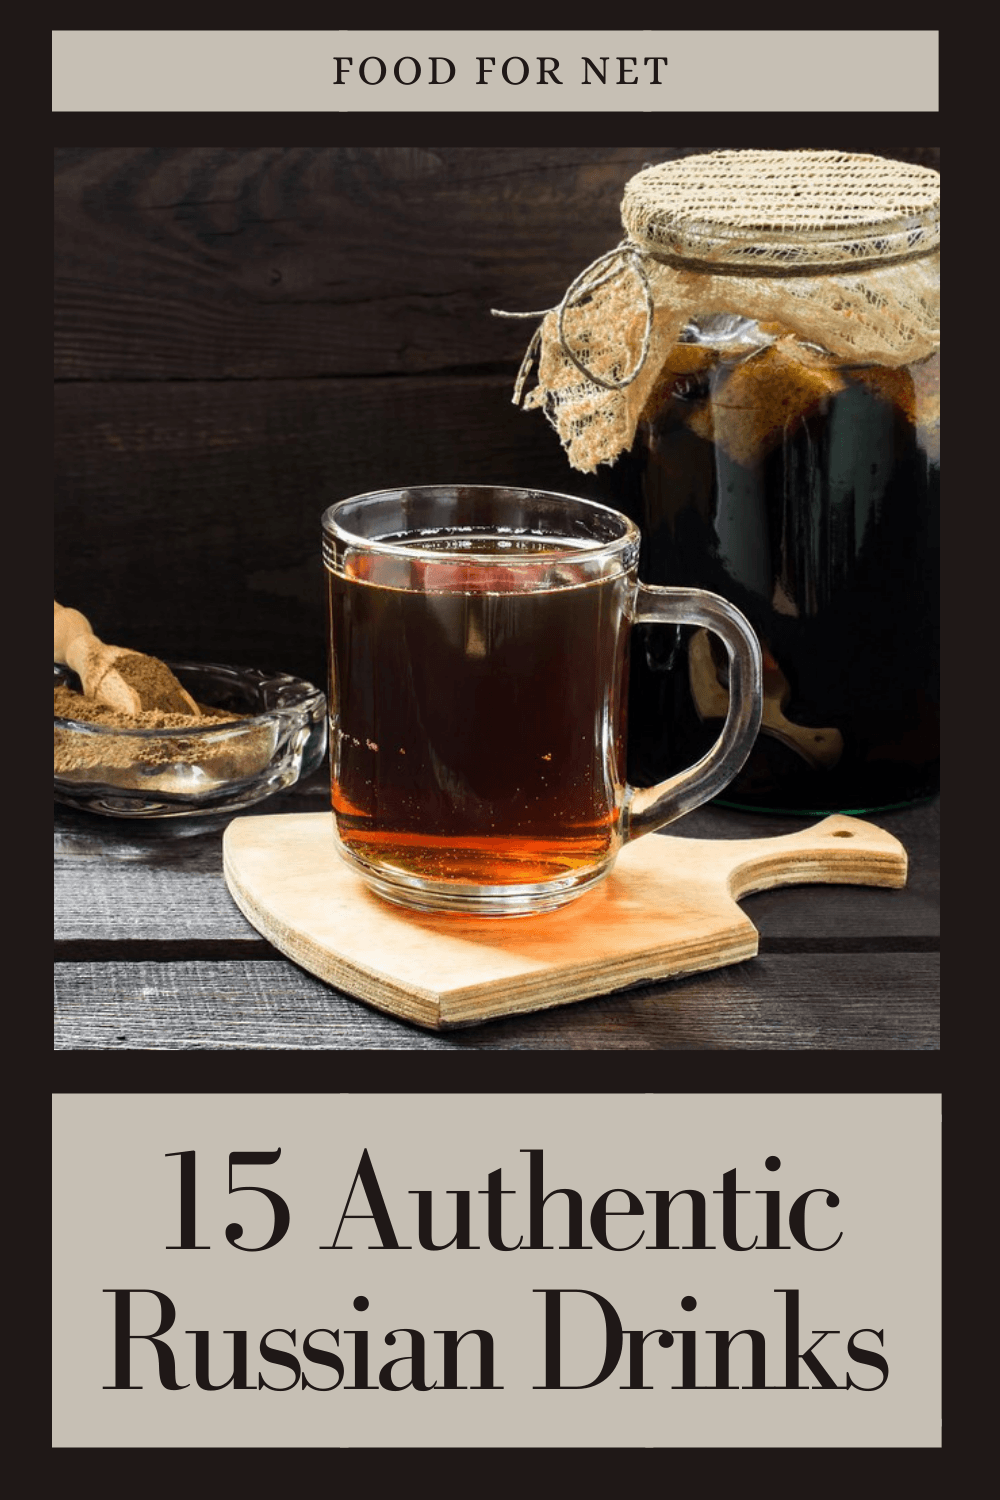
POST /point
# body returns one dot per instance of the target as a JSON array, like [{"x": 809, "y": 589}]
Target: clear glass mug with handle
[{"x": 479, "y": 650}]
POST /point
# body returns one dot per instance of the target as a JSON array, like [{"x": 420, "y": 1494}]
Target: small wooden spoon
[
  {"x": 124, "y": 680},
  {"x": 819, "y": 747}
]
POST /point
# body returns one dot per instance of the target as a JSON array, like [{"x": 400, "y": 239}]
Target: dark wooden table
[{"x": 151, "y": 953}]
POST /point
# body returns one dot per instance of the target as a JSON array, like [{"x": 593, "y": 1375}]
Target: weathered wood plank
[
  {"x": 284, "y": 261},
  {"x": 218, "y": 262},
  {"x": 188, "y": 515},
  {"x": 160, "y": 882},
  {"x": 839, "y": 1002},
  {"x": 838, "y": 913},
  {"x": 187, "y": 845},
  {"x": 188, "y": 485},
  {"x": 127, "y": 902}
]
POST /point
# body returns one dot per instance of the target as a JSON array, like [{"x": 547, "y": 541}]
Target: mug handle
[{"x": 649, "y": 808}]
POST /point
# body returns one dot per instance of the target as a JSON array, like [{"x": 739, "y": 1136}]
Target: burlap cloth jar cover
[{"x": 757, "y": 361}]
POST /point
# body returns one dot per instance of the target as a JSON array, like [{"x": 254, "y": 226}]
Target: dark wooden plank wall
[{"x": 243, "y": 336}]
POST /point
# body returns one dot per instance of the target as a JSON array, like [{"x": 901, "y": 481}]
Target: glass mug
[{"x": 479, "y": 649}]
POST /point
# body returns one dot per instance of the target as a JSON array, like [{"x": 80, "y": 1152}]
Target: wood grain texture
[
  {"x": 188, "y": 515},
  {"x": 158, "y": 957},
  {"x": 292, "y": 261},
  {"x": 244, "y": 335},
  {"x": 841, "y": 1002},
  {"x": 668, "y": 908},
  {"x": 161, "y": 881}
]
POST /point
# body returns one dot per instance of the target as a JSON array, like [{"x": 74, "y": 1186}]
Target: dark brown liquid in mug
[{"x": 477, "y": 728}]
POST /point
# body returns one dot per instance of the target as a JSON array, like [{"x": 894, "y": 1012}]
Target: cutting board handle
[{"x": 838, "y": 851}]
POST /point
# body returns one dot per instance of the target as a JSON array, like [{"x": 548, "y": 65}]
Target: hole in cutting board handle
[{"x": 842, "y": 833}]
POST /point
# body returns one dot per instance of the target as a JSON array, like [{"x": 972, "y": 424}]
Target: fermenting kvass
[
  {"x": 753, "y": 374},
  {"x": 806, "y": 492}
]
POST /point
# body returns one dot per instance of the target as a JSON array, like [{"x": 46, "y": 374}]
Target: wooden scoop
[
  {"x": 124, "y": 680},
  {"x": 820, "y": 747}
]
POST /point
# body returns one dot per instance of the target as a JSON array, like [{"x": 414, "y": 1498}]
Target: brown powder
[
  {"x": 71, "y": 705},
  {"x": 130, "y": 760},
  {"x": 152, "y": 679}
]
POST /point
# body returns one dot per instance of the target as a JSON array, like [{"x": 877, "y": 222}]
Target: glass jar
[
  {"x": 758, "y": 362},
  {"x": 806, "y": 491}
]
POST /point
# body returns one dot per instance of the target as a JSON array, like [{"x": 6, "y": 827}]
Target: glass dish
[{"x": 172, "y": 773}]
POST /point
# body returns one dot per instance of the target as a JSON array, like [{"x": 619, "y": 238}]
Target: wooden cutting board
[{"x": 667, "y": 908}]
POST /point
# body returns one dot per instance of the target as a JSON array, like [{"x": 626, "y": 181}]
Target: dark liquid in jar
[
  {"x": 825, "y": 534},
  {"x": 477, "y": 721}
]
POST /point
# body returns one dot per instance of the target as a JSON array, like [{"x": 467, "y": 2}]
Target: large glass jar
[
  {"x": 805, "y": 490},
  {"x": 758, "y": 363}
]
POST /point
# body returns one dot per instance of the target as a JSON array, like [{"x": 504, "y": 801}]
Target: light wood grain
[
  {"x": 154, "y": 881},
  {"x": 668, "y": 908},
  {"x": 155, "y": 956}
]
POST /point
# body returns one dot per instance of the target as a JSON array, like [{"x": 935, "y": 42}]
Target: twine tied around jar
[
  {"x": 833, "y": 253},
  {"x": 578, "y": 292}
]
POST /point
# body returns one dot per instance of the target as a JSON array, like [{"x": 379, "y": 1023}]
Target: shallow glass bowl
[{"x": 171, "y": 773}]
